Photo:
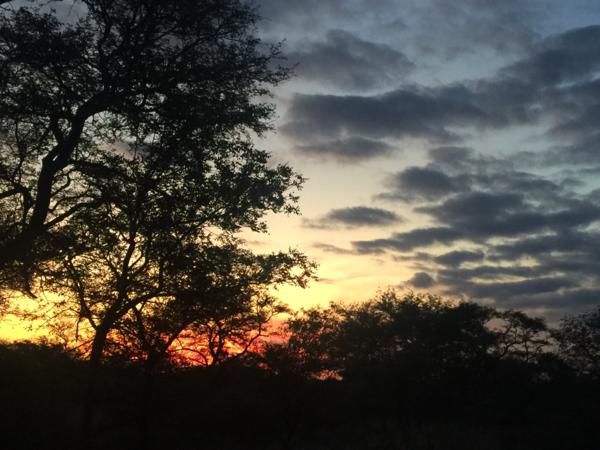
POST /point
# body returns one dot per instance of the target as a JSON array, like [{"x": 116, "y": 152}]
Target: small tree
[
  {"x": 221, "y": 307},
  {"x": 520, "y": 337},
  {"x": 309, "y": 344}
]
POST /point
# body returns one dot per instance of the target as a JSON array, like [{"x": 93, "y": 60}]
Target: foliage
[
  {"x": 127, "y": 152},
  {"x": 87, "y": 99},
  {"x": 128, "y": 166},
  {"x": 579, "y": 342},
  {"x": 223, "y": 312},
  {"x": 420, "y": 335},
  {"x": 520, "y": 336},
  {"x": 42, "y": 387}
]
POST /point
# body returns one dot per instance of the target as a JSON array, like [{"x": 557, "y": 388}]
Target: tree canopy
[
  {"x": 411, "y": 334},
  {"x": 88, "y": 99},
  {"x": 579, "y": 339}
]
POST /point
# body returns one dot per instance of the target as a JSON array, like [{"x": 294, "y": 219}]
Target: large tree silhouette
[
  {"x": 127, "y": 155},
  {"x": 120, "y": 80},
  {"x": 150, "y": 241}
]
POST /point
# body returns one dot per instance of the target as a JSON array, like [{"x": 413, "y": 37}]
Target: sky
[{"x": 449, "y": 147}]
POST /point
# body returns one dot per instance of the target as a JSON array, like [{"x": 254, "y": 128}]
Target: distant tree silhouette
[
  {"x": 394, "y": 329},
  {"x": 456, "y": 394},
  {"x": 419, "y": 337},
  {"x": 124, "y": 81},
  {"x": 521, "y": 337},
  {"x": 309, "y": 348},
  {"x": 220, "y": 311},
  {"x": 419, "y": 357},
  {"x": 579, "y": 342}
]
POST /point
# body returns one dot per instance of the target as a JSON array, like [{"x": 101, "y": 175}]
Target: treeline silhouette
[{"x": 399, "y": 371}]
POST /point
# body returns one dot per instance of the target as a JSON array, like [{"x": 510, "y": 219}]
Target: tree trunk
[
  {"x": 89, "y": 401},
  {"x": 146, "y": 402}
]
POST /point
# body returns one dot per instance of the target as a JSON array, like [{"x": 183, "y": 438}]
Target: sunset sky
[
  {"x": 167, "y": 194},
  {"x": 449, "y": 146}
]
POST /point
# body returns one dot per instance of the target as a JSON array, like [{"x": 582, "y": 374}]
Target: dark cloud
[
  {"x": 484, "y": 215},
  {"x": 530, "y": 221},
  {"x": 554, "y": 85},
  {"x": 421, "y": 280},
  {"x": 536, "y": 235},
  {"x": 583, "y": 151},
  {"x": 475, "y": 207},
  {"x": 486, "y": 197},
  {"x": 421, "y": 183},
  {"x": 328, "y": 248},
  {"x": 428, "y": 26},
  {"x": 351, "y": 149},
  {"x": 501, "y": 283},
  {"x": 290, "y": 17},
  {"x": 556, "y": 295},
  {"x": 438, "y": 26},
  {"x": 457, "y": 170},
  {"x": 561, "y": 301},
  {"x": 451, "y": 156},
  {"x": 457, "y": 27},
  {"x": 408, "y": 112},
  {"x": 568, "y": 57},
  {"x": 404, "y": 242},
  {"x": 307, "y": 13},
  {"x": 458, "y": 257},
  {"x": 462, "y": 277},
  {"x": 543, "y": 245},
  {"x": 358, "y": 216},
  {"x": 346, "y": 61},
  {"x": 565, "y": 69},
  {"x": 534, "y": 286}
]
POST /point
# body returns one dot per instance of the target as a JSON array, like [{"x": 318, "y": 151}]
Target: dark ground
[{"x": 237, "y": 407}]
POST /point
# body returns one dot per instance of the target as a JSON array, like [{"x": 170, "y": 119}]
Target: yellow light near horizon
[
  {"x": 15, "y": 327},
  {"x": 316, "y": 294},
  {"x": 345, "y": 279}
]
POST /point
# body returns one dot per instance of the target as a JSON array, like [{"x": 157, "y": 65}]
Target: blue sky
[{"x": 448, "y": 146}]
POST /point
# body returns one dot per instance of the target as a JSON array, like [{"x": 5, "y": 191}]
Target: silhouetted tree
[
  {"x": 148, "y": 242},
  {"x": 308, "y": 346},
  {"x": 579, "y": 342},
  {"x": 119, "y": 81},
  {"x": 126, "y": 149},
  {"x": 218, "y": 315},
  {"x": 520, "y": 336},
  {"x": 390, "y": 329}
]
